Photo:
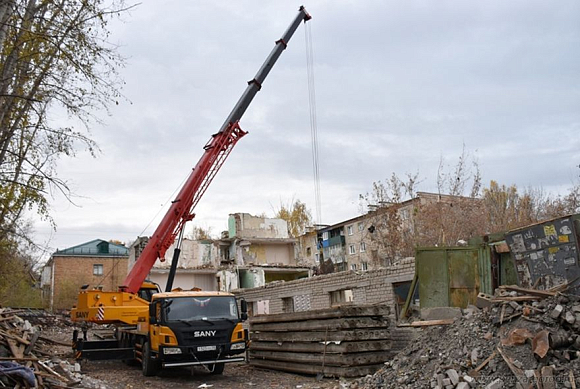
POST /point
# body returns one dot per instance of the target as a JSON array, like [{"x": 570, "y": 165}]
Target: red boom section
[{"x": 216, "y": 152}]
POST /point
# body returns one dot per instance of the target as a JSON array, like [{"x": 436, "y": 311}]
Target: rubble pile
[
  {"x": 520, "y": 338},
  {"x": 40, "y": 317},
  {"x": 29, "y": 359}
]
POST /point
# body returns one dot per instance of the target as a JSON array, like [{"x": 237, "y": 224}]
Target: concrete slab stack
[{"x": 345, "y": 341}]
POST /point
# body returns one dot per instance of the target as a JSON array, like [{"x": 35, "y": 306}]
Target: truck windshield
[{"x": 202, "y": 308}]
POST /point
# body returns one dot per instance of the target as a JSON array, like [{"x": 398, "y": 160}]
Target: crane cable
[{"x": 313, "y": 121}]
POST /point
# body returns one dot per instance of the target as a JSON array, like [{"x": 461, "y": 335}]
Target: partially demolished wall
[{"x": 332, "y": 290}]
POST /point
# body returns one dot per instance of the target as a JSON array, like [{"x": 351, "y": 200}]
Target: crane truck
[{"x": 176, "y": 328}]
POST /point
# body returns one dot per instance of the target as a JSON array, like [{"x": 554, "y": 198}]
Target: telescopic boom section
[{"x": 216, "y": 152}]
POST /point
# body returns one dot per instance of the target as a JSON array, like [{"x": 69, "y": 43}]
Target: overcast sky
[{"x": 399, "y": 85}]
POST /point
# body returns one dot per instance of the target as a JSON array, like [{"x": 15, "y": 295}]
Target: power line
[{"x": 313, "y": 121}]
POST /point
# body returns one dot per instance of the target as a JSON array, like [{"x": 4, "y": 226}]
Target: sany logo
[{"x": 198, "y": 334}]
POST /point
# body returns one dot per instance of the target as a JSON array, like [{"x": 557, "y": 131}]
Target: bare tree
[
  {"x": 389, "y": 237},
  {"x": 200, "y": 233},
  {"x": 54, "y": 54}
]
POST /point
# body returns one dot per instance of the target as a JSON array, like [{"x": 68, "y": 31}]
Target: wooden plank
[
  {"x": 318, "y": 347},
  {"x": 38, "y": 375},
  {"x": 410, "y": 295},
  {"x": 345, "y": 360},
  {"x": 342, "y": 311},
  {"x": 51, "y": 371},
  {"x": 514, "y": 298},
  {"x": 329, "y": 371},
  {"x": 15, "y": 337},
  {"x": 425, "y": 323},
  {"x": 15, "y": 348},
  {"x": 12, "y": 312},
  {"x": 487, "y": 360},
  {"x": 318, "y": 336},
  {"x": 320, "y": 325},
  {"x": 533, "y": 292},
  {"x": 518, "y": 373},
  {"x": 33, "y": 341}
]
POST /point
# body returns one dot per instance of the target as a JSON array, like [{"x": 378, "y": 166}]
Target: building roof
[{"x": 97, "y": 247}]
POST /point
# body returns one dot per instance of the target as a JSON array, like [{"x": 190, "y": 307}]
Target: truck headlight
[
  {"x": 171, "y": 350},
  {"x": 238, "y": 346}
]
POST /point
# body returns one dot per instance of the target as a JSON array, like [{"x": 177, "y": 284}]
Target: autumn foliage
[{"x": 463, "y": 208}]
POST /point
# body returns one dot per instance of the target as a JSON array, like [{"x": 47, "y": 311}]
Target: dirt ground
[{"x": 117, "y": 375}]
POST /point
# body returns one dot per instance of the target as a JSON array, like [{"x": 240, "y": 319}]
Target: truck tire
[
  {"x": 217, "y": 368},
  {"x": 150, "y": 365}
]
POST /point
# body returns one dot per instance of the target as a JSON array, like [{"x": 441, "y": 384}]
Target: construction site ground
[
  {"x": 35, "y": 351},
  {"x": 116, "y": 375}
]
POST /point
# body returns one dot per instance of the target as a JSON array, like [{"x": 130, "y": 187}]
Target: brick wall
[
  {"x": 370, "y": 287},
  {"x": 72, "y": 272}
]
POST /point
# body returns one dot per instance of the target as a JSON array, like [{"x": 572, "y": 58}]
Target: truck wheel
[
  {"x": 217, "y": 368},
  {"x": 150, "y": 366}
]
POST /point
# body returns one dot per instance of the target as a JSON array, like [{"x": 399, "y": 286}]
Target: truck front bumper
[
  {"x": 175, "y": 356},
  {"x": 205, "y": 362}
]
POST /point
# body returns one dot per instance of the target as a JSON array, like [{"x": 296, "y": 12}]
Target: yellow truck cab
[
  {"x": 194, "y": 328},
  {"x": 174, "y": 329}
]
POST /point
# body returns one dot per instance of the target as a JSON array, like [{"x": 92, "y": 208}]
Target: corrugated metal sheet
[
  {"x": 453, "y": 276},
  {"x": 431, "y": 267}
]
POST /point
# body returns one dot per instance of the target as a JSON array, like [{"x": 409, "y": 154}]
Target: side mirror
[
  {"x": 244, "y": 306},
  {"x": 153, "y": 313}
]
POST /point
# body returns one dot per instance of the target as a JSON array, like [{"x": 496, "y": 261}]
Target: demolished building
[
  {"x": 257, "y": 251},
  {"x": 253, "y": 252}
]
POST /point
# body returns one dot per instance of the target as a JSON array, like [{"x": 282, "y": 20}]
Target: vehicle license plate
[{"x": 206, "y": 348}]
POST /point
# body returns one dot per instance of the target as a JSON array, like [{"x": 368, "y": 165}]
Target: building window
[
  {"x": 353, "y": 266},
  {"x": 401, "y": 292},
  {"x": 349, "y": 230},
  {"x": 351, "y": 249},
  {"x": 325, "y": 235},
  {"x": 360, "y": 226},
  {"x": 363, "y": 247},
  {"x": 317, "y": 256},
  {"x": 340, "y": 267},
  {"x": 288, "y": 304},
  {"x": 301, "y": 303},
  {"x": 365, "y": 266},
  {"x": 97, "y": 270},
  {"x": 339, "y": 297},
  {"x": 103, "y": 248},
  {"x": 262, "y": 307},
  {"x": 308, "y": 251}
]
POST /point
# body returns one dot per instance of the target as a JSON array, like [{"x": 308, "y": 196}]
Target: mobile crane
[{"x": 176, "y": 328}]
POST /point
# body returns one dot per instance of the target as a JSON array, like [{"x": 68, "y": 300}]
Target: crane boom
[{"x": 215, "y": 153}]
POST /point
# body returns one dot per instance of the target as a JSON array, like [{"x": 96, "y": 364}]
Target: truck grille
[{"x": 189, "y": 338}]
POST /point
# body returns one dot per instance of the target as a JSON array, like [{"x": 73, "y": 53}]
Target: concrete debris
[
  {"x": 28, "y": 357},
  {"x": 522, "y": 339}
]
